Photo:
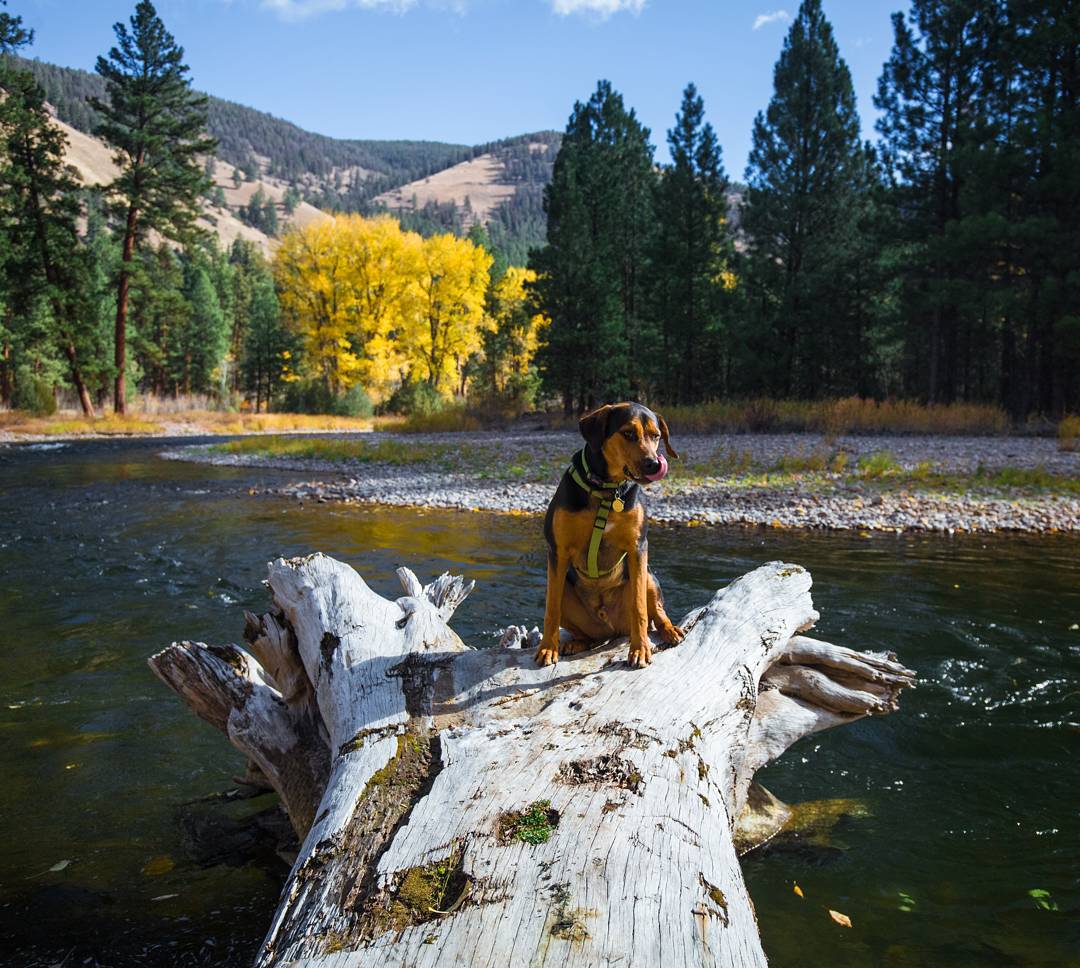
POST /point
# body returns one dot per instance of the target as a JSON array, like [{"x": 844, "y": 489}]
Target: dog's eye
[{"x": 629, "y": 434}]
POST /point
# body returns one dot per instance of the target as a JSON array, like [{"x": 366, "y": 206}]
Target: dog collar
[{"x": 610, "y": 495}]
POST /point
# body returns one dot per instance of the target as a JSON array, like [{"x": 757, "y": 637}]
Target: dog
[{"x": 598, "y": 579}]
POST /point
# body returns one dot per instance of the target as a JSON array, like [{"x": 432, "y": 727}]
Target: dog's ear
[
  {"x": 664, "y": 434},
  {"x": 593, "y": 426}
]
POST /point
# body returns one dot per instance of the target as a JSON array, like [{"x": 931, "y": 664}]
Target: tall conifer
[
  {"x": 806, "y": 171},
  {"x": 157, "y": 125},
  {"x": 692, "y": 259},
  {"x": 591, "y": 274}
]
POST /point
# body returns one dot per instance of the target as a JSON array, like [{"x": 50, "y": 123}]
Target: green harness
[{"x": 610, "y": 499}]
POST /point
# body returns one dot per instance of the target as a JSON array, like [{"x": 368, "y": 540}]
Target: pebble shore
[{"x": 517, "y": 473}]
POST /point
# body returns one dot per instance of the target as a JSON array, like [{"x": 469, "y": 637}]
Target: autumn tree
[
  {"x": 443, "y": 325},
  {"x": 157, "y": 125},
  {"x": 509, "y": 343},
  {"x": 345, "y": 284}
]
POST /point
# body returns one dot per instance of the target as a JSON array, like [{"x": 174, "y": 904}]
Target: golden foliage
[
  {"x": 373, "y": 304},
  {"x": 445, "y": 317},
  {"x": 511, "y": 318}
]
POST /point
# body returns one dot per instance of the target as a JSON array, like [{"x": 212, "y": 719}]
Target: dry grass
[
  {"x": 18, "y": 422},
  {"x": 452, "y": 419},
  {"x": 165, "y": 421},
  {"x": 246, "y": 423},
  {"x": 851, "y": 415}
]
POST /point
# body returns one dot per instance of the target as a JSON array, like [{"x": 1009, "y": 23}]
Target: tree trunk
[
  {"x": 77, "y": 378},
  {"x": 120, "y": 358},
  {"x": 462, "y": 806}
]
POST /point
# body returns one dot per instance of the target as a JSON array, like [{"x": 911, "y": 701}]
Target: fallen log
[{"x": 464, "y": 807}]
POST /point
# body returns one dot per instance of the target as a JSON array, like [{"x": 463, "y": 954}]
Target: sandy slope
[
  {"x": 478, "y": 180},
  {"x": 93, "y": 160}
]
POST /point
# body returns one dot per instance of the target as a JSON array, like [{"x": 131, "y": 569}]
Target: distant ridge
[{"x": 506, "y": 177}]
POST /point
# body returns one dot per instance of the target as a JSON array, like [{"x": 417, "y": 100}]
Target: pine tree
[
  {"x": 806, "y": 172},
  {"x": 268, "y": 345},
  {"x": 590, "y": 276},
  {"x": 928, "y": 96},
  {"x": 157, "y": 126},
  {"x": 39, "y": 211},
  {"x": 692, "y": 259}
]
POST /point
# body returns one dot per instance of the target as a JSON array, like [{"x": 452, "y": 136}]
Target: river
[{"x": 959, "y": 848}]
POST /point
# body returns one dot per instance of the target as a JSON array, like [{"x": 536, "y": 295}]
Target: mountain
[{"x": 433, "y": 185}]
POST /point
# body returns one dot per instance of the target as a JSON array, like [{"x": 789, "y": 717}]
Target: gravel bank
[{"x": 720, "y": 480}]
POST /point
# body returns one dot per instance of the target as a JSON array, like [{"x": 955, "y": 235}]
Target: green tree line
[
  {"x": 941, "y": 262},
  {"x": 114, "y": 290}
]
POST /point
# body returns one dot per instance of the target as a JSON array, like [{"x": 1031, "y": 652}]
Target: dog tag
[{"x": 617, "y": 505}]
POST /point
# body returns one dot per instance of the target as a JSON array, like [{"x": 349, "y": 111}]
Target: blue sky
[{"x": 476, "y": 70}]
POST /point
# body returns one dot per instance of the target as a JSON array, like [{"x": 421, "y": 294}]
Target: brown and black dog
[{"x": 598, "y": 579}]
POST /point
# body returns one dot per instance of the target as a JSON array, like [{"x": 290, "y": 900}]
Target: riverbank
[{"x": 909, "y": 483}]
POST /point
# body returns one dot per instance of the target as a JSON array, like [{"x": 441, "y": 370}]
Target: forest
[{"x": 939, "y": 262}]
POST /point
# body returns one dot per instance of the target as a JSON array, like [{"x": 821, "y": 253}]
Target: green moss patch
[{"x": 533, "y": 825}]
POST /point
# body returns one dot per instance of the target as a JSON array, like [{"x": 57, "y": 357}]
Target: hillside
[
  {"x": 92, "y": 158},
  {"x": 502, "y": 181}
]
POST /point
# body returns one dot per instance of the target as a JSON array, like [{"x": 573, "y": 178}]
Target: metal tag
[{"x": 617, "y": 505}]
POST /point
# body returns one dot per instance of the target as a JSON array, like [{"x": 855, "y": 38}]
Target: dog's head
[{"x": 628, "y": 437}]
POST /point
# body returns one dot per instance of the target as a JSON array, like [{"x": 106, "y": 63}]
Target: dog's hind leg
[{"x": 585, "y": 628}]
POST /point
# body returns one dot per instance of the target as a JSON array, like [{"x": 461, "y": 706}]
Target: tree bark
[
  {"x": 120, "y": 358},
  {"x": 462, "y": 806}
]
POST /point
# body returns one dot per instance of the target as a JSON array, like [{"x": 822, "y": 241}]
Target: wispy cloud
[
  {"x": 764, "y": 19},
  {"x": 301, "y": 9},
  {"x": 600, "y": 8}
]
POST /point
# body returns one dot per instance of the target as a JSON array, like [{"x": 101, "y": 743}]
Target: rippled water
[{"x": 967, "y": 798}]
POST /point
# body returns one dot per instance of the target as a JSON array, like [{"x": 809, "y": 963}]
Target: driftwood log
[{"x": 463, "y": 807}]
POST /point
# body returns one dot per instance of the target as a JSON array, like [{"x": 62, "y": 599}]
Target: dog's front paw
[
  {"x": 671, "y": 634},
  {"x": 547, "y": 655},
  {"x": 640, "y": 656}
]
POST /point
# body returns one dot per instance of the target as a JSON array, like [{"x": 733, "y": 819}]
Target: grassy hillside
[{"x": 435, "y": 186}]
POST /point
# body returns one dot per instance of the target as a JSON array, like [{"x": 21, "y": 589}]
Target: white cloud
[
  {"x": 300, "y": 9},
  {"x": 600, "y": 8},
  {"x": 764, "y": 19}
]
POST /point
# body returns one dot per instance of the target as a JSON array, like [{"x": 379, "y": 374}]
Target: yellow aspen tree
[
  {"x": 316, "y": 298},
  {"x": 516, "y": 332},
  {"x": 382, "y": 266},
  {"x": 444, "y": 325}
]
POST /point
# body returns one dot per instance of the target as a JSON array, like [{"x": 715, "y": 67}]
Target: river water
[{"x": 958, "y": 846}]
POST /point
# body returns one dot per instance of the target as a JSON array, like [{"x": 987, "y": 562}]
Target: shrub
[
  {"x": 312, "y": 396},
  {"x": 355, "y": 403},
  {"x": 415, "y": 399},
  {"x": 33, "y": 393},
  {"x": 1069, "y": 434},
  {"x": 878, "y": 464}
]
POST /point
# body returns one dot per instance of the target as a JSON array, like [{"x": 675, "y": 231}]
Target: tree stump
[{"x": 464, "y": 807}]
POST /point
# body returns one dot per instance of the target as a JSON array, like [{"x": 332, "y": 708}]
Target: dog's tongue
[{"x": 661, "y": 472}]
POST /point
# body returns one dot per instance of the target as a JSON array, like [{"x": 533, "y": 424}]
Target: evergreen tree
[
  {"x": 43, "y": 258},
  {"x": 806, "y": 173},
  {"x": 157, "y": 126},
  {"x": 199, "y": 353},
  {"x": 692, "y": 260},
  {"x": 590, "y": 275},
  {"x": 928, "y": 97},
  {"x": 268, "y": 345}
]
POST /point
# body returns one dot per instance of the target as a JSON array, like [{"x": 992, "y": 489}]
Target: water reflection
[{"x": 109, "y": 553}]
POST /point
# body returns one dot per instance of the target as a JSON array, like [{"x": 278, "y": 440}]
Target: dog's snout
[{"x": 650, "y": 465}]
